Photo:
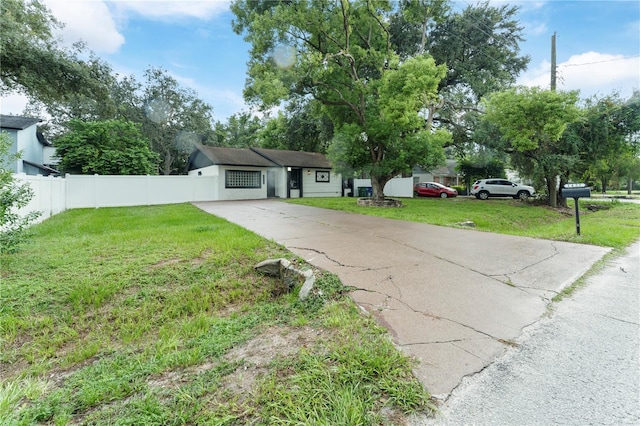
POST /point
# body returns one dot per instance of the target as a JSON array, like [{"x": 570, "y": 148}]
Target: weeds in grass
[{"x": 134, "y": 324}]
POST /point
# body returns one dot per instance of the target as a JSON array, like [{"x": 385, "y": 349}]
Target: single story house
[
  {"x": 37, "y": 155},
  {"x": 445, "y": 175},
  {"x": 254, "y": 173}
]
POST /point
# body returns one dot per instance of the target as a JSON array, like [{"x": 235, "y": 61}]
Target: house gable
[{"x": 30, "y": 142}]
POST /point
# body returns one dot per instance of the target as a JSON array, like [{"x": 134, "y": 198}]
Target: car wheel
[
  {"x": 483, "y": 195},
  {"x": 443, "y": 195},
  {"x": 523, "y": 195}
]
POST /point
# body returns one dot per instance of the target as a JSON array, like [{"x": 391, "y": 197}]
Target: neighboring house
[
  {"x": 37, "y": 155},
  {"x": 446, "y": 175},
  {"x": 256, "y": 173}
]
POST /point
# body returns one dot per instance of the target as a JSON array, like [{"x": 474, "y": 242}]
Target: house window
[
  {"x": 322, "y": 175},
  {"x": 242, "y": 179}
]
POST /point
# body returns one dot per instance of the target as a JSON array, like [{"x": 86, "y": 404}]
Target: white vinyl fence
[
  {"x": 117, "y": 191},
  {"x": 396, "y": 187},
  {"x": 49, "y": 195},
  {"x": 53, "y": 195}
]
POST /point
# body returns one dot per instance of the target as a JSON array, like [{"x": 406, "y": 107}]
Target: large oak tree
[
  {"x": 340, "y": 55},
  {"x": 480, "y": 46},
  {"x": 33, "y": 61}
]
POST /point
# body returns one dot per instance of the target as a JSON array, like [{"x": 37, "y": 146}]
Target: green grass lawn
[
  {"x": 617, "y": 225},
  {"x": 155, "y": 315}
]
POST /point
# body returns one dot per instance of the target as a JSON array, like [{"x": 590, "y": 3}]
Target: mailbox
[
  {"x": 580, "y": 192},
  {"x": 576, "y": 191}
]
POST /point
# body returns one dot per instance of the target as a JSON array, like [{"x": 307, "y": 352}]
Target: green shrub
[{"x": 13, "y": 196}]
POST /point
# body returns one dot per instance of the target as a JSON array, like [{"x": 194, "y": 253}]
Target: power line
[{"x": 599, "y": 62}]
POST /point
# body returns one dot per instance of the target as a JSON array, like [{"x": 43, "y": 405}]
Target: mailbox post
[{"x": 576, "y": 191}]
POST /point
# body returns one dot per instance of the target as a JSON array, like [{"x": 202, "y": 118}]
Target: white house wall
[
  {"x": 30, "y": 146},
  {"x": 311, "y": 188},
  {"x": 26, "y": 143},
  {"x": 49, "y": 156},
  {"x": 231, "y": 194},
  {"x": 281, "y": 181}
]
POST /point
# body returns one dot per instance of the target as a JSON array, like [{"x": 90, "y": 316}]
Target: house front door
[
  {"x": 271, "y": 184},
  {"x": 295, "y": 183}
]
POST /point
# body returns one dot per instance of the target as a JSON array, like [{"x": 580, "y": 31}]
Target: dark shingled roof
[
  {"x": 42, "y": 167},
  {"x": 15, "y": 122},
  {"x": 234, "y": 156},
  {"x": 295, "y": 158}
]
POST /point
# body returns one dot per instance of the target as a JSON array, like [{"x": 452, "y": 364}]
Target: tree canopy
[
  {"x": 174, "y": 119},
  {"x": 340, "y": 55},
  {"x": 532, "y": 122},
  {"x": 171, "y": 117},
  {"x": 34, "y": 63},
  {"x": 109, "y": 147},
  {"x": 479, "y": 45},
  {"x": 608, "y": 137}
]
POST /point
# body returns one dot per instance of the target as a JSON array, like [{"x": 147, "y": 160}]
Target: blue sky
[{"x": 598, "y": 44}]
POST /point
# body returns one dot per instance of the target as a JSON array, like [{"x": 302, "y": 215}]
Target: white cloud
[
  {"x": 96, "y": 22},
  {"x": 13, "y": 104},
  {"x": 172, "y": 10},
  {"x": 592, "y": 73},
  {"x": 87, "y": 20}
]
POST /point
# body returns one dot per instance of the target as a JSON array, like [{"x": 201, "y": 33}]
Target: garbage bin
[
  {"x": 362, "y": 191},
  {"x": 369, "y": 191}
]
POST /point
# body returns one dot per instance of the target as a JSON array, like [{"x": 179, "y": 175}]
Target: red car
[{"x": 433, "y": 189}]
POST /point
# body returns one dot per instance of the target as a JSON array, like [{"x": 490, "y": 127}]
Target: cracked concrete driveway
[{"x": 452, "y": 298}]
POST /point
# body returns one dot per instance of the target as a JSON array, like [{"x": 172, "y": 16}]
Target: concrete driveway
[{"x": 455, "y": 299}]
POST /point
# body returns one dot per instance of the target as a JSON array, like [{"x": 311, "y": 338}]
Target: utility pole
[{"x": 553, "y": 62}]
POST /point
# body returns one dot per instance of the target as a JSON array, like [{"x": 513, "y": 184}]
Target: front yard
[{"x": 155, "y": 315}]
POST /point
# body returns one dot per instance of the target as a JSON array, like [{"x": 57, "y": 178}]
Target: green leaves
[
  {"x": 532, "y": 122},
  {"x": 345, "y": 62},
  {"x": 107, "y": 147},
  {"x": 13, "y": 196},
  {"x": 531, "y": 117},
  {"x": 32, "y": 60}
]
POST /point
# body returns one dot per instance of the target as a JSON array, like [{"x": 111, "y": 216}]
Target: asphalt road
[{"x": 578, "y": 366}]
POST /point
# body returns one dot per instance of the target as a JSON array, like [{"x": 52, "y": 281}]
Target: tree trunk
[
  {"x": 562, "y": 202},
  {"x": 377, "y": 185},
  {"x": 168, "y": 160},
  {"x": 552, "y": 191},
  {"x": 629, "y": 185}
]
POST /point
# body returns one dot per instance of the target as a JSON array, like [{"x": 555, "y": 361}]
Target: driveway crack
[
  {"x": 427, "y": 314},
  {"x": 337, "y": 262}
]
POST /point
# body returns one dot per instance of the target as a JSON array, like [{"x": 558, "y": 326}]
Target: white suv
[{"x": 486, "y": 188}]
